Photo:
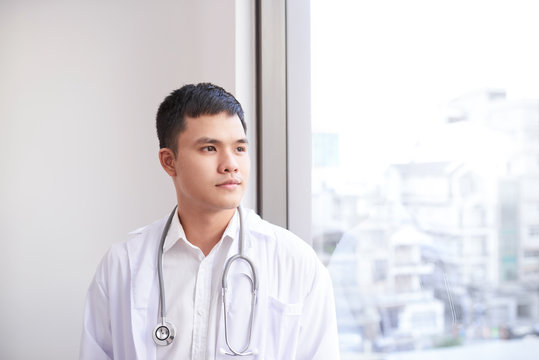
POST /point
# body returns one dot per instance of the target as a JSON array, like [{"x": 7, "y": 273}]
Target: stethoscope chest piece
[{"x": 164, "y": 333}]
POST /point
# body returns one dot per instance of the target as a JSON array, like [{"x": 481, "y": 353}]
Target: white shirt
[
  {"x": 192, "y": 288},
  {"x": 294, "y": 313}
]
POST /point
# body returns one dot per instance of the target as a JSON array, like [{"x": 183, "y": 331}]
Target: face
[{"x": 211, "y": 168}]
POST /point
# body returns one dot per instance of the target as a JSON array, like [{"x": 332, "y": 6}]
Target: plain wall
[{"x": 80, "y": 83}]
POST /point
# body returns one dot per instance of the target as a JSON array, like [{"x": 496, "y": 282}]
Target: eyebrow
[{"x": 207, "y": 140}]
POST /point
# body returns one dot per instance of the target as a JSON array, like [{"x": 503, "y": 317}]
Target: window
[{"x": 424, "y": 175}]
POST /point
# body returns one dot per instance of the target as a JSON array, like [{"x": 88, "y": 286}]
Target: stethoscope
[{"x": 165, "y": 332}]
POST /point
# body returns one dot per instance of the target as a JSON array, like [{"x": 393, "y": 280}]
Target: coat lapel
[{"x": 142, "y": 252}]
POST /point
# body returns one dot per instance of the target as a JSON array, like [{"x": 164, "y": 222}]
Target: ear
[{"x": 167, "y": 159}]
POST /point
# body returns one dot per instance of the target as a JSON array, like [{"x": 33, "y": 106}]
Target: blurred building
[
  {"x": 450, "y": 247},
  {"x": 518, "y": 187}
]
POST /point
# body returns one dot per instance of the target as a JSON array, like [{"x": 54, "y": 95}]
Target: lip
[{"x": 229, "y": 184}]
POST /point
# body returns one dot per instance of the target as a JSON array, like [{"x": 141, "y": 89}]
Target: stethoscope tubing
[
  {"x": 160, "y": 264},
  {"x": 168, "y": 328}
]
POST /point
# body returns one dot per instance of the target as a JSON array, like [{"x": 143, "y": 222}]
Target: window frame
[{"x": 283, "y": 112}]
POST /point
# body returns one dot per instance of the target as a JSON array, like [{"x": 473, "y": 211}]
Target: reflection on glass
[{"x": 426, "y": 199}]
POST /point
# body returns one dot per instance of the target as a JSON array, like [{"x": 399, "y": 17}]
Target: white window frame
[{"x": 284, "y": 105}]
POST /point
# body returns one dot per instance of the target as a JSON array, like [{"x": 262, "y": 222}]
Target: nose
[{"x": 228, "y": 163}]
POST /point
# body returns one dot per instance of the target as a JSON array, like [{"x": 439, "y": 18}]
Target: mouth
[{"x": 229, "y": 184}]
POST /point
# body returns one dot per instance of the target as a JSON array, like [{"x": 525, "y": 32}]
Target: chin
[
  {"x": 222, "y": 202},
  {"x": 228, "y": 205},
  {"x": 232, "y": 206}
]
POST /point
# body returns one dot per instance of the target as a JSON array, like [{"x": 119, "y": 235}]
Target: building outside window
[{"x": 425, "y": 175}]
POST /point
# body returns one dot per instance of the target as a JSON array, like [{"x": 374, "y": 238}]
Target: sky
[{"x": 383, "y": 72}]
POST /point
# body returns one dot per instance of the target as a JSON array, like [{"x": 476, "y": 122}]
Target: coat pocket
[{"x": 284, "y": 322}]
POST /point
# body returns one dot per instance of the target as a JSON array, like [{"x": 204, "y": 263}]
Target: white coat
[{"x": 295, "y": 311}]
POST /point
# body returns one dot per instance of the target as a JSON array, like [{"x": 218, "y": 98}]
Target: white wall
[{"x": 80, "y": 83}]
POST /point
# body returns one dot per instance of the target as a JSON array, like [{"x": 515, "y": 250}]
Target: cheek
[
  {"x": 246, "y": 165},
  {"x": 194, "y": 178},
  {"x": 191, "y": 173},
  {"x": 193, "y": 184},
  {"x": 245, "y": 169},
  {"x": 194, "y": 167}
]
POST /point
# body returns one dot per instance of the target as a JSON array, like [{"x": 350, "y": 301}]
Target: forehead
[{"x": 222, "y": 126}]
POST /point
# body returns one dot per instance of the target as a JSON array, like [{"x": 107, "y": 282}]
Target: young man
[{"x": 279, "y": 300}]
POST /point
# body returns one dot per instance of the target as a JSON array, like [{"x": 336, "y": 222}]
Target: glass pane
[{"x": 425, "y": 175}]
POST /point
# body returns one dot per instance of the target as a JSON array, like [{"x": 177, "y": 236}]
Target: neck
[{"x": 204, "y": 229}]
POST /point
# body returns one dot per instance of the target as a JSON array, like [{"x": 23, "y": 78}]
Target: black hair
[{"x": 193, "y": 101}]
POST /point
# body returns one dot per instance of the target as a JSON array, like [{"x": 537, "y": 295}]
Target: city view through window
[{"x": 425, "y": 176}]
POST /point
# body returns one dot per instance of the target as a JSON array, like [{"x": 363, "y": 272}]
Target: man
[{"x": 204, "y": 150}]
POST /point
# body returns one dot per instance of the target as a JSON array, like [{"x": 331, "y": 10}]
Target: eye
[
  {"x": 241, "y": 149},
  {"x": 209, "y": 148}
]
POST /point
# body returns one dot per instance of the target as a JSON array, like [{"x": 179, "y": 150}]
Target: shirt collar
[{"x": 176, "y": 232}]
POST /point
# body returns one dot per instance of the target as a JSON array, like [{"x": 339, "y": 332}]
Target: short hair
[{"x": 192, "y": 101}]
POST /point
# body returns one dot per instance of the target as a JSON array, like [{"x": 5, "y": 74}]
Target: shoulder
[
  {"x": 144, "y": 239},
  {"x": 126, "y": 256},
  {"x": 286, "y": 254},
  {"x": 273, "y": 236}
]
